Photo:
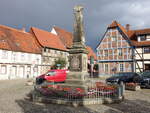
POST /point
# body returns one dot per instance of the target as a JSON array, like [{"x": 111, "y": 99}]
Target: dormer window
[
  {"x": 142, "y": 38},
  {"x": 147, "y": 50}
]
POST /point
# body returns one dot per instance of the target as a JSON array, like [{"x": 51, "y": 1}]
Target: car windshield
[
  {"x": 50, "y": 73},
  {"x": 145, "y": 74}
]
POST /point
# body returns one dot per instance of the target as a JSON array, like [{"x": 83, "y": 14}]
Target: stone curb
[{"x": 75, "y": 103}]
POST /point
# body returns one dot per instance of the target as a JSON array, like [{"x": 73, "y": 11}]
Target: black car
[
  {"x": 124, "y": 77},
  {"x": 145, "y": 82}
]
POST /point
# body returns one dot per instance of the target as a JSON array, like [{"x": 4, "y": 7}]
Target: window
[
  {"x": 55, "y": 52},
  {"x": 120, "y": 52},
  {"x": 4, "y": 54},
  {"x": 37, "y": 60},
  {"x": 121, "y": 67},
  {"x": 114, "y": 38},
  {"x": 147, "y": 50},
  {"x": 44, "y": 49},
  {"x": 22, "y": 56},
  {"x": 106, "y": 67},
  {"x": 13, "y": 57},
  {"x": 106, "y": 52},
  {"x": 29, "y": 57},
  {"x": 3, "y": 69},
  {"x": 143, "y": 38}
]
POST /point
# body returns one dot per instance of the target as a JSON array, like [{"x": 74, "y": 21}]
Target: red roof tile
[
  {"x": 142, "y": 31},
  {"x": 17, "y": 40},
  {"x": 67, "y": 39},
  {"x": 116, "y": 24},
  {"x": 47, "y": 39},
  {"x": 140, "y": 44},
  {"x": 65, "y": 36},
  {"x": 133, "y": 36}
]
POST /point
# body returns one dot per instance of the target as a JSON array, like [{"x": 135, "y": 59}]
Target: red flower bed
[
  {"x": 60, "y": 91},
  {"x": 131, "y": 84}
]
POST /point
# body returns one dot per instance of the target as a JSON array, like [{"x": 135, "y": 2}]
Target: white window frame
[
  {"x": 4, "y": 54},
  {"x": 114, "y": 38},
  {"x": 120, "y": 51},
  {"x": 106, "y": 53},
  {"x": 5, "y": 69}
]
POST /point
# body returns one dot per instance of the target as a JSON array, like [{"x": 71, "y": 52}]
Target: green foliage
[{"x": 60, "y": 63}]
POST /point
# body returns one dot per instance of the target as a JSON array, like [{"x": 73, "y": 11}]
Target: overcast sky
[{"x": 98, "y": 14}]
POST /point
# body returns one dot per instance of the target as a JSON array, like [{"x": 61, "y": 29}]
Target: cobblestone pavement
[{"x": 13, "y": 93}]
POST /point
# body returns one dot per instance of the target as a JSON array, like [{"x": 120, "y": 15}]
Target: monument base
[{"x": 77, "y": 80}]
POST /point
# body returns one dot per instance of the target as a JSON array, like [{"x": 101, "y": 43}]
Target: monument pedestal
[{"x": 77, "y": 80}]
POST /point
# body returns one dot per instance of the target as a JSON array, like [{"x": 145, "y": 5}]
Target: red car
[{"x": 56, "y": 75}]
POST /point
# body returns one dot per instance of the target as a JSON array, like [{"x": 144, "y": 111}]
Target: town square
[{"x": 74, "y": 57}]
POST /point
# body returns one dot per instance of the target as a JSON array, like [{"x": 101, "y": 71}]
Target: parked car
[
  {"x": 145, "y": 82},
  {"x": 56, "y": 75},
  {"x": 124, "y": 77}
]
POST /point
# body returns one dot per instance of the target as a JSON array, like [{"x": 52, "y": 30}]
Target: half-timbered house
[
  {"x": 114, "y": 52},
  {"x": 123, "y": 50}
]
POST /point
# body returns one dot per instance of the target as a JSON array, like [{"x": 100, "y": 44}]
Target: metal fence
[{"x": 97, "y": 90}]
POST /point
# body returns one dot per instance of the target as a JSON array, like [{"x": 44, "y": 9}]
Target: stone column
[
  {"x": 78, "y": 53},
  {"x": 78, "y": 35}
]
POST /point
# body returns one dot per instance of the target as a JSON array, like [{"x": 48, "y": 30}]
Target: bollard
[
  {"x": 120, "y": 90},
  {"x": 122, "y": 85}
]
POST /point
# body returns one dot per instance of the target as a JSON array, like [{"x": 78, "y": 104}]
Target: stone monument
[
  {"x": 78, "y": 53},
  {"x": 77, "y": 90}
]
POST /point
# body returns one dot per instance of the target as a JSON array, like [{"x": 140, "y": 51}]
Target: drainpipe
[{"x": 133, "y": 60}]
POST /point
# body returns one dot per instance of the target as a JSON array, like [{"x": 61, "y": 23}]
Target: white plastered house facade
[
  {"x": 16, "y": 65},
  {"x": 20, "y": 55}
]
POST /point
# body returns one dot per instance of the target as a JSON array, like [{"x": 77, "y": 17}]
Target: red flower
[
  {"x": 79, "y": 90},
  {"x": 66, "y": 89}
]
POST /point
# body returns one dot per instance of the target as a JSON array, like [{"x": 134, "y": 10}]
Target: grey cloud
[{"x": 97, "y": 14}]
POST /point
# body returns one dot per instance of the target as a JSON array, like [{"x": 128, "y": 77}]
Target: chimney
[
  {"x": 23, "y": 29},
  {"x": 127, "y": 27}
]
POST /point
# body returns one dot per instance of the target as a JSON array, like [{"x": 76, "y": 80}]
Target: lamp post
[{"x": 91, "y": 63}]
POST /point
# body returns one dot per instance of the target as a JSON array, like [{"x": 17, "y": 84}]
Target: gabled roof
[
  {"x": 142, "y": 31},
  {"x": 131, "y": 35},
  {"x": 134, "y": 35},
  {"x": 65, "y": 36},
  {"x": 142, "y": 43},
  {"x": 116, "y": 24},
  {"x": 91, "y": 52},
  {"x": 17, "y": 40},
  {"x": 47, "y": 39}
]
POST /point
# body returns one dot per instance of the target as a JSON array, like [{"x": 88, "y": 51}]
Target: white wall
[{"x": 19, "y": 64}]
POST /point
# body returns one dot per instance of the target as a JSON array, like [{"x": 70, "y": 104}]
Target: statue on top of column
[{"x": 78, "y": 36}]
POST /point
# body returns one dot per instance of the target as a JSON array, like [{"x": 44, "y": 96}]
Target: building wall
[
  {"x": 139, "y": 55},
  {"x": 113, "y": 50},
  {"x": 19, "y": 65},
  {"x": 49, "y": 56}
]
